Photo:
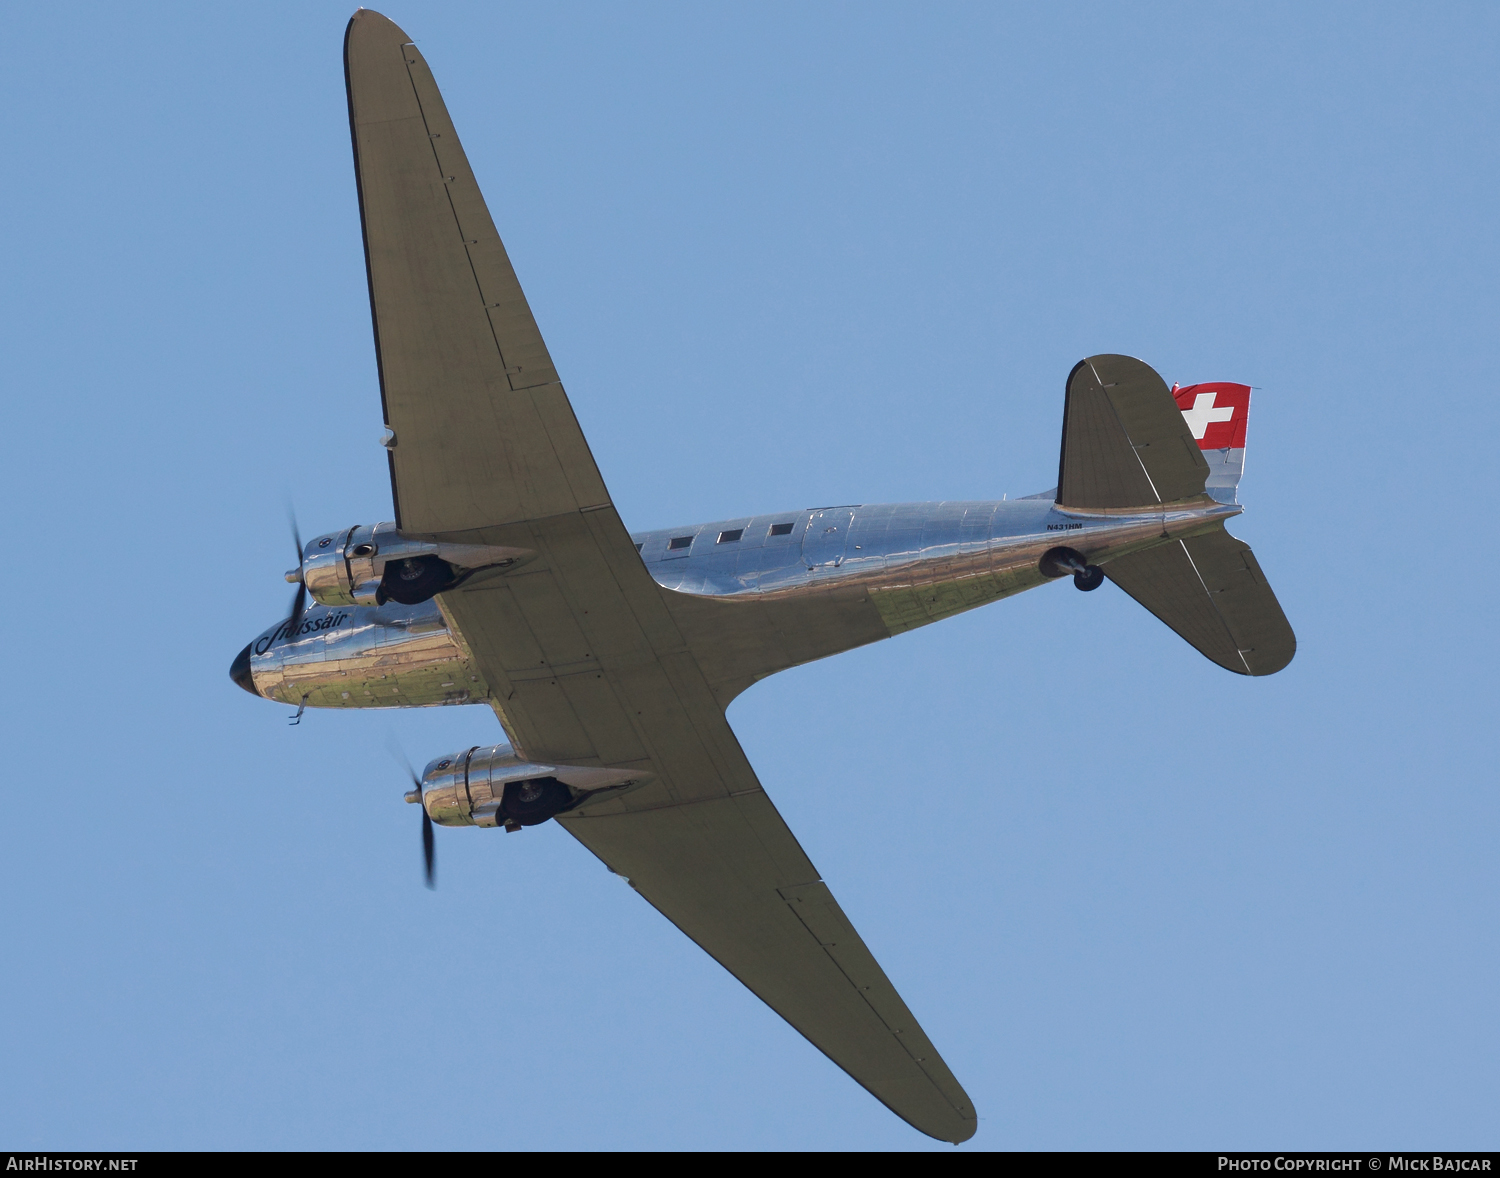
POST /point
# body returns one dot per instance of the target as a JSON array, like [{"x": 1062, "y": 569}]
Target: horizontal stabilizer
[
  {"x": 1210, "y": 589},
  {"x": 1125, "y": 442}
]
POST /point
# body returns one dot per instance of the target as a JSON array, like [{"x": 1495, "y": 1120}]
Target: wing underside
[
  {"x": 585, "y": 660},
  {"x": 724, "y": 873}
]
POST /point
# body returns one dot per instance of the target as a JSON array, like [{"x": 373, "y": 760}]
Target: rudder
[{"x": 1218, "y": 415}]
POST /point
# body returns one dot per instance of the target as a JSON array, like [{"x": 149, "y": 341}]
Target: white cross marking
[{"x": 1203, "y": 413}]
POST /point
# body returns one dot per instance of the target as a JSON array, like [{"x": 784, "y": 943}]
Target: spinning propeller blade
[
  {"x": 299, "y": 599},
  {"x": 429, "y": 852}
]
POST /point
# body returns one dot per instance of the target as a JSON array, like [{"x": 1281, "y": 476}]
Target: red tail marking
[{"x": 1217, "y": 413}]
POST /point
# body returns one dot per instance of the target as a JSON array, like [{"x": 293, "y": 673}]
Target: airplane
[{"x": 507, "y": 578}]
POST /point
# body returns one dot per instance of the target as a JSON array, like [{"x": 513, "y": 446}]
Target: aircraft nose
[{"x": 239, "y": 671}]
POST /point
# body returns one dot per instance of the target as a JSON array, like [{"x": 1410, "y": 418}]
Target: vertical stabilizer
[{"x": 1124, "y": 443}]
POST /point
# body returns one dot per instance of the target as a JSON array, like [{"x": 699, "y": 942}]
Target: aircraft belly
[
  {"x": 889, "y": 568},
  {"x": 747, "y": 609},
  {"x": 393, "y": 657}
]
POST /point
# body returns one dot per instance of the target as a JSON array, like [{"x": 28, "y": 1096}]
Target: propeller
[
  {"x": 299, "y": 599},
  {"x": 429, "y": 863}
]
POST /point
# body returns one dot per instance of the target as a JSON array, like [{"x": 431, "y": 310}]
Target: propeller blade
[
  {"x": 291, "y": 518},
  {"x": 299, "y": 599},
  {"x": 428, "y": 853},
  {"x": 394, "y": 747},
  {"x": 299, "y": 607}
]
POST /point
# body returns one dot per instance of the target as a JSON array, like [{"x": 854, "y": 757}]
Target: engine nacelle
[
  {"x": 493, "y": 787},
  {"x": 370, "y": 565}
]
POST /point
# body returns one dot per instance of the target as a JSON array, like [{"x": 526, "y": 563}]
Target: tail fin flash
[{"x": 1218, "y": 414}]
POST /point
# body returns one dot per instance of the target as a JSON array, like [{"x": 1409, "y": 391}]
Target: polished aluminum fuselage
[{"x": 917, "y": 562}]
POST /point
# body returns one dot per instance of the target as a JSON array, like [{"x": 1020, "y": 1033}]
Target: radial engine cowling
[
  {"x": 494, "y": 787},
  {"x": 370, "y": 565}
]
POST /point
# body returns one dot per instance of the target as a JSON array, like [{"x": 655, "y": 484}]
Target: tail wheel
[
  {"x": 1059, "y": 562},
  {"x": 1090, "y": 579},
  {"x": 529, "y": 803}
]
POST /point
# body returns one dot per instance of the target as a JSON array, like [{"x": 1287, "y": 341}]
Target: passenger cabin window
[
  {"x": 638, "y": 547},
  {"x": 731, "y": 536},
  {"x": 781, "y": 529},
  {"x": 679, "y": 542}
]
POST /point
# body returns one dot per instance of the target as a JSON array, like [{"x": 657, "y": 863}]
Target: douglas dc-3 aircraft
[{"x": 507, "y": 578}]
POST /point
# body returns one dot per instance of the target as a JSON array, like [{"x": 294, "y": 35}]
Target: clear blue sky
[{"x": 783, "y": 255}]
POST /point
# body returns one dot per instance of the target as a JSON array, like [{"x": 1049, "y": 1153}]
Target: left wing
[
  {"x": 484, "y": 433},
  {"x": 584, "y": 659}
]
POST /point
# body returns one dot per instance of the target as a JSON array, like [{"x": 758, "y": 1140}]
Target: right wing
[
  {"x": 584, "y": 668},
  {"x": 729, "y": 873},
  {"x": 586, "y": 665},
  {"x": 585, "y": 662}
]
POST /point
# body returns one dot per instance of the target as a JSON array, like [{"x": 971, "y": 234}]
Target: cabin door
[{"x": 826, "y": 538}]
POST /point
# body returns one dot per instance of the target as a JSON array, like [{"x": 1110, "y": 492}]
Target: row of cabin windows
[{"x": 677, "y": 543}]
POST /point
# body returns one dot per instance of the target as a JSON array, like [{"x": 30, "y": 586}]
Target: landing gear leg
[{"x": 527, "y": 803}]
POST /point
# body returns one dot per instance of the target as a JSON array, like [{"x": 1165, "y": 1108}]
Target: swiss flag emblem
[{"x": 1216, "y": 413}]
